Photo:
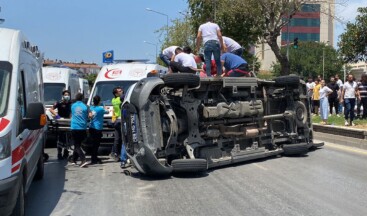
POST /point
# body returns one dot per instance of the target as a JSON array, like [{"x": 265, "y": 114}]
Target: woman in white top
[{"x": 324, "y": 102}]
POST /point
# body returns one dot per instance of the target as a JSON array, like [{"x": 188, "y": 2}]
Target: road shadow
[{"x": 43, "y": 195}]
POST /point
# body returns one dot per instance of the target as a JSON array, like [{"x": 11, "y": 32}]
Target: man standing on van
[
  {"x": 63, "y": 111},
  {"x": 118, "y": 147},
  {"x": 213, "y": 42},
  {"x": 79, "y": 118}
]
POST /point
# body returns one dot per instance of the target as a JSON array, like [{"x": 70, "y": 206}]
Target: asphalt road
[{"x": 329, "y": 181}]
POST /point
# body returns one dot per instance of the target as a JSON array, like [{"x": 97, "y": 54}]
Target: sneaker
[
  {"x": 123, "y": 165},
  {"x": 346, "y": 123},
  {"x": 116, "y": 158},
  {"x": 329, "y": 115},
  {"x": 83, "y": 164},
  {"x": 337, "y": 115},
  {"x": 352, "y": 123},
  {"x": 74, "y": 163}
]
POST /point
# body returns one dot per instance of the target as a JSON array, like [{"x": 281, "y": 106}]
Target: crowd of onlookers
[{"x": 336, "y": 97}]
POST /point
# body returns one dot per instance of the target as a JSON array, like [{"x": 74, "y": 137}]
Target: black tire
[
  {"x": 295, "y": 149},
  {"x": 179, "y": 80},
  {"x": 290, "y": 80},
  {"x": 19, "y": 209},
  {"x": 40, "y": 168},
  {"x": 301, "y": 113},
  {"x": 189, "y": 165}
]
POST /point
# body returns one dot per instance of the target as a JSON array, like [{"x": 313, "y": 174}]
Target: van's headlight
[{"x": 5, "y": 146}]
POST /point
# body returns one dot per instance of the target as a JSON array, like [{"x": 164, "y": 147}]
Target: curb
[
  {"x": 341, "y": 131},
  {"x": 352, "y": 137}
]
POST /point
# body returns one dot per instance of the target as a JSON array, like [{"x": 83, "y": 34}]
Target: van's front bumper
[{"x": 9, "y": 189}]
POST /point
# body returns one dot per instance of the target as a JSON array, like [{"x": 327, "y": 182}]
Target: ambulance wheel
[
  {"x": 19, "y": 208},
  {"x": 40, "y": 168}
]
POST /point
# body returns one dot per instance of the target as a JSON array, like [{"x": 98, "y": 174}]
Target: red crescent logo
[
  {"x": 3, "y": 123},
  {"x": 113, "y": 73}
]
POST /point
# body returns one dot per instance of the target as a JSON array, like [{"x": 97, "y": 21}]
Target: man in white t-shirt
[
  {"x": 167, "y": 54},
  {"x": 213, "y": 42},
  {"x": 232, "y": 46},
  {"x": 183, "y": 62},
  {"x": 349, "y": 94}
]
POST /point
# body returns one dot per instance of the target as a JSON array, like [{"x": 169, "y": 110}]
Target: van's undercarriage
[{"x": 182, "y": 123}]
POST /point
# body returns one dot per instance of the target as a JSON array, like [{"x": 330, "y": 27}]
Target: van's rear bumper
[{"x": 9, "y": 188}]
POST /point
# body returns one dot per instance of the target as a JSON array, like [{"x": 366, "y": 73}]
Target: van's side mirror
[{"x": 35, "y": 117}]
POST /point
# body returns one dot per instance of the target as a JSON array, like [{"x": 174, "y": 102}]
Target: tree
[
  {"x": 307, "y": 60},
  {"x": 353, "y": 42},
  {"x": 251, "y": 21},
  {"x": 91, "y": 79}
]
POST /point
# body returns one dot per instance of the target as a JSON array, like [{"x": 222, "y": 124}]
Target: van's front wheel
[{"x": 19, "y": 208}]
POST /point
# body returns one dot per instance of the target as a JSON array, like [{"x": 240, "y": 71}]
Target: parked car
[{"x": 183, "y": 123}]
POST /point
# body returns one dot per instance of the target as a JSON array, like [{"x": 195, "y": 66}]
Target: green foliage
[
  {"x": 91, "y": 79},
  {"x": 353, "y": 42},
  {"x": 307, "y": 60}
]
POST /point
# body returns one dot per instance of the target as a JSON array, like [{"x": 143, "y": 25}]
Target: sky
[{"x": 81, "y": 30}]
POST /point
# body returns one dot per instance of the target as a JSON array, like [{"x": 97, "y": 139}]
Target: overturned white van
[
  {"x": 22, "y": 119},
  {"x": 123, "y": 75}
]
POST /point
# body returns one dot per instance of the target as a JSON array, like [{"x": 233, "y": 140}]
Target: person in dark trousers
[
  {"x": 362, "y": 88},
  {"x": 96, "y": 114},
  {"x": 349, "y": 95},
  {"x": 79, "y": 119},
  {"x": 211, "y": 36},
  {"x": 118, "y": 93},
  {"x": 63, "y": 111},
  {"x": 333, "y": 97},
  {"x": 234, "y": 65}
]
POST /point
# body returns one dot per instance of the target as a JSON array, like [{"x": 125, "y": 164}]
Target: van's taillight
[{"x": 5, "y": 146}]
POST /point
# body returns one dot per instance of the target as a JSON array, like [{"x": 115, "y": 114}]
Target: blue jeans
[
  {"x": 212, "y": 47},
  {"x": 165, "y": 59},
  {"x": 123, "y": 155},
  {"x": 349, "y": 104}
]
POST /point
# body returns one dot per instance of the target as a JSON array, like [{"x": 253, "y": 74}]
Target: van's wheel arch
[
  {"x": 179, "y": 80},
  {"x": 40, "y": 167},
  {"x": 19, "y": 209}
]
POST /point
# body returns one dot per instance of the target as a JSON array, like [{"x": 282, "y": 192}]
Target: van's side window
[{"x": 21, "y": 108}]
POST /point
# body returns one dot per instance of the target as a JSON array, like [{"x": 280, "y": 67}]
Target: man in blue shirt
[
  {"x": 95, "y": 129},
  {"x": 234, "y": 65},
  {"x": 79, "y": 118}
]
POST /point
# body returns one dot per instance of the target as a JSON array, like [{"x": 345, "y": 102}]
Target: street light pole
[
  {"x": 156, "y": 49},
  {"x": 149, "y": 9}
]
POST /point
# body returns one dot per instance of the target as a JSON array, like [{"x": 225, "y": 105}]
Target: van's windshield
[
  {"x": 53, "y": 92},
  {"x": 104, "y": 89},
  {"x": 4, "y": 90}
]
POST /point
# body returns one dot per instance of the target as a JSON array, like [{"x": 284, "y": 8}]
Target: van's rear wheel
[{"x": 19, "y": 208}]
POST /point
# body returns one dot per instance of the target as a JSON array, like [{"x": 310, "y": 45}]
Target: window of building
[
  {"x": 301, "y": 36},
  {"x": 306, "y": 22},
  {"x": 310, "y": 8}
]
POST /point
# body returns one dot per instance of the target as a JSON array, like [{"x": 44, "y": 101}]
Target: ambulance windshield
[
  {"x": 4, "y": 90},
  {"x": 53, "y": 92}
]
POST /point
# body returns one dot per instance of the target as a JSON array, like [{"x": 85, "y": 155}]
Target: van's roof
[
  {"x": 127, "y": 71},
  {"x": 8, "y": 39}
]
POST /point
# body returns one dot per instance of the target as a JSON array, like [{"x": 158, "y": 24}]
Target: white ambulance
[
  {"x": 22, "y": 119},
  {"x": 84, "y": 87},
  {"x": 57, "y": 79},
  {"x": 122, "y": 74}
]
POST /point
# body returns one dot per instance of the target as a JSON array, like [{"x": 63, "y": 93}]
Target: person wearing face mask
[{"x": 63, "y": 111}]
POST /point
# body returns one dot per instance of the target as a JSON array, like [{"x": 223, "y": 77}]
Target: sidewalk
[{"x": 340, "y": 135}]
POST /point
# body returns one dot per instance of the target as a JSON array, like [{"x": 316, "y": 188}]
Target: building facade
[{"x": 314, "y": 22}]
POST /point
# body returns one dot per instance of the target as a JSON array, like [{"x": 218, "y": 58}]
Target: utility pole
[{"x": 1, "y": 20}]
